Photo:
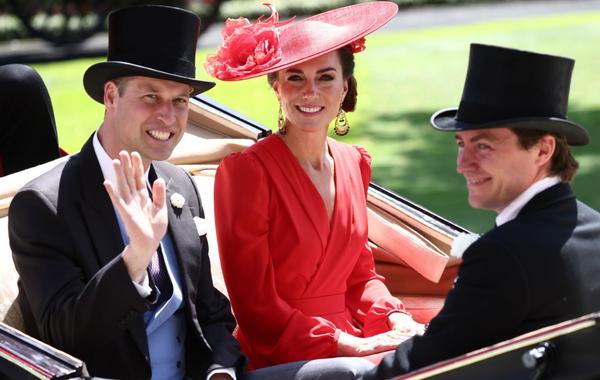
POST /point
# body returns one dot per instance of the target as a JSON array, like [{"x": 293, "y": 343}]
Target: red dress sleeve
[
  {"x": 367, "y": 297},
  {"x": 270, "y": 330}
]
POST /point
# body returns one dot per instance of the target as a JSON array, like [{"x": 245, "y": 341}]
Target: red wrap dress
[{"x": 295, "y": 280}]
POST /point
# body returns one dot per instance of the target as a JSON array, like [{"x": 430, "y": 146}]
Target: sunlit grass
[{"x": 403, "y": 78}]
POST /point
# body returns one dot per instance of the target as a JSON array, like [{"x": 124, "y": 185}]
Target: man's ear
[
  {"x": 546, "y": 146},
  {"x": 111, "y": 92}
]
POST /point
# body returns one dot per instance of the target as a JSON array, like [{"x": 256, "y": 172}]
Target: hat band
[
  {"x": 478, "y": 113},
  {"x": 179, "y": 66}
]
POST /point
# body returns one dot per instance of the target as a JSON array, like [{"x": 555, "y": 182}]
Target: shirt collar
[
  {"x": 108, "y": 172},
  {"x": 511, "y": 211}
]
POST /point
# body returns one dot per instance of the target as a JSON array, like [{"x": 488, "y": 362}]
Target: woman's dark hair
[
  {"x": 347, "y": 62},
  {"x": 563, "y": 163}
]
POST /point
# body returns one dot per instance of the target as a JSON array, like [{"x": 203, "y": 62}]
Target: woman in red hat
[{"x": 291, "y": 210}]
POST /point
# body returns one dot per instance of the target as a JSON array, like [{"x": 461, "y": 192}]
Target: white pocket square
[{"x": 201, "y": 225}]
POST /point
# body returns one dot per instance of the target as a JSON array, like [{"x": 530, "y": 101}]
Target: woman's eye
[
  {"x": 294, "y": 78},
  {"x": 327, "y": 77}
]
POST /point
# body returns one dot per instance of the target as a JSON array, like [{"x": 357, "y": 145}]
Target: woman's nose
[{"x": 310, "y": 90}]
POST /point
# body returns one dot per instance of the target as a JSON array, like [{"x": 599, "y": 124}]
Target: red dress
[{"x": 293, "y": 280}]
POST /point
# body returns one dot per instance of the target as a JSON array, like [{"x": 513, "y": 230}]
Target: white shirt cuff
[
  {"x": 215, "y": 369},
  {"x": 143, "y": 288}
]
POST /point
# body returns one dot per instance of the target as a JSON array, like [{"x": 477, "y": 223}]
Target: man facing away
[
  {"x": 126, "y": 286},
  {"x": 540, "y": 264}
]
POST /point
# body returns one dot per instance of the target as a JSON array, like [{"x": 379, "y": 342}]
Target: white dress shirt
[{"x": 512, "y": 210}]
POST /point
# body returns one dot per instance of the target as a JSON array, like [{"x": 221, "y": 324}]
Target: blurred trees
[
  {"x": 65, "y": 22},
  {"x": 71, "y": 21}
]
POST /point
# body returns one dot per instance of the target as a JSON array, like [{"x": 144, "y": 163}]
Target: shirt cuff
[
  {"x": 143, "y": 288},
  {"x": 215, "y": 369}
]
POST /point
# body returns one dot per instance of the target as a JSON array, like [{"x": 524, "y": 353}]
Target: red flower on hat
[
  {"x": 358, "y": 45},
  {"x": 247, "y": 47}
]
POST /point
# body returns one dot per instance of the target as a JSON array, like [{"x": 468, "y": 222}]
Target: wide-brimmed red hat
[{"x": 250, "y": 50}]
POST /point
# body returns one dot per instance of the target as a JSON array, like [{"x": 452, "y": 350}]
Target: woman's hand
[
  {"x": 404, "y": 323},
  {"x": 349, "y": 345}
]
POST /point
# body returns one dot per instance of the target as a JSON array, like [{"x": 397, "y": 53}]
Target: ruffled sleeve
[
  {"x": 271, "y": 331},
  {"x": 367, "y": 297}
]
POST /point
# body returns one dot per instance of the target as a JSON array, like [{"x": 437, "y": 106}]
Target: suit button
[
  {"x": 178, "y": 364},
  {"x": 178, "y": 339}
]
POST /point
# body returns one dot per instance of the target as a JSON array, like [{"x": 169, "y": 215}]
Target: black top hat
[
  {"x": 149, "y": 40},
  {"x": 508, "y": 88}
]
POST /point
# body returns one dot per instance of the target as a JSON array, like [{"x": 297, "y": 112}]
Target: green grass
[{"x": 403, "y": 78}]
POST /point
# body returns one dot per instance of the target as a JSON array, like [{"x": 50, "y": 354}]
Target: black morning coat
[
  {"x": 537, "y": 270},
  {"x": 75, "y": 292}
]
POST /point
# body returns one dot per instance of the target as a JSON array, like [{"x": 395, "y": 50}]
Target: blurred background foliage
[{"x": 71, "y": 21}]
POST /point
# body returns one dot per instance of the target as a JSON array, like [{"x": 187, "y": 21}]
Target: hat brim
[
  {"x": 353, "y": 21},
  {"x": 97, "y": 75},
  {"x": 445, "y": 120}
]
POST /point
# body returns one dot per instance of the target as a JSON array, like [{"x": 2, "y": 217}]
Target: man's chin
[
  {"x": 479, "y": 204},
  {"x": 154, "y": 156}
]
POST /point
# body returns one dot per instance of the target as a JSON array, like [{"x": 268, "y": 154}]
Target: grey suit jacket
[{"x": 75, "y": 291}]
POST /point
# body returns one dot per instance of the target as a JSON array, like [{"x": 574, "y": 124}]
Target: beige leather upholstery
[
  {"x": 205, "y": 183},
  {"x": 9, "y": 310}
]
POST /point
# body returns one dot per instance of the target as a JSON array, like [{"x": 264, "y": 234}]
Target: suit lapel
[
  {"x": 556, "y": 193},
  {"x": 97, "y": 208},
  {"x": 183, "y": 233},
  {"x": 99, "y": 214}
]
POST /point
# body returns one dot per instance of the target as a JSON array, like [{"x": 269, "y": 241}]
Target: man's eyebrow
[
  {"x": 480, "y": 136},
  {"x": 147, "y": 87}
]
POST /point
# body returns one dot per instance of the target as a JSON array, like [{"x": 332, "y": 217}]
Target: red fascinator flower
[
  {"x": 358, "y": 45},
  {"x": 247, "y": 47}
]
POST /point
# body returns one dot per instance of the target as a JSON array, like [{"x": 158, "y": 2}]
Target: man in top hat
[
  {"x": 539, "y": 265},
  {"x": 126, "y": 286}
]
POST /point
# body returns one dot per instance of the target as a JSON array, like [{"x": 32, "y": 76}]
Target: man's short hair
[
  {"x": 563, "y": 163},
  {"x": 121, "y": 83}
]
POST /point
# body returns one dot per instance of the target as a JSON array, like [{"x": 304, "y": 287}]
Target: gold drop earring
[
  {"x": 281, "y": 122},
  {"x": 341, "y": 127}
]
